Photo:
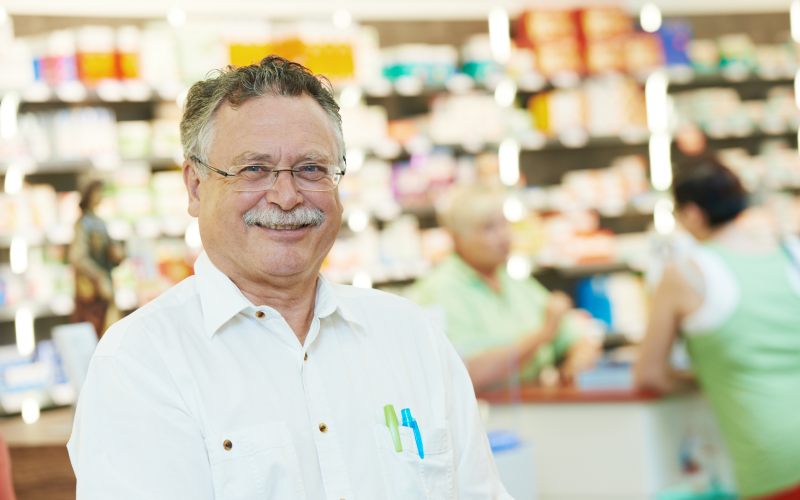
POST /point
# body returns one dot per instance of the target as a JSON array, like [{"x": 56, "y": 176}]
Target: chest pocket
[
  {"x": 407, "y": 475},
  {"x": 254, "y": 462}
]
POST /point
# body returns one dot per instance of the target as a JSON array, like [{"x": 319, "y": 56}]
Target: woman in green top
[
  {"x": 736, "y": 301},
  {"x": 502, "y": 327}
]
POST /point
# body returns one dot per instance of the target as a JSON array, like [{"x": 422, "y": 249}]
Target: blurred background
[{"x": 579, "y": 108}]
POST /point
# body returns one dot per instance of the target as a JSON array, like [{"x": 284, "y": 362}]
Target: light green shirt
[
  {"x": 749, "y": 368},
  {"x": 479, "y": 318}
]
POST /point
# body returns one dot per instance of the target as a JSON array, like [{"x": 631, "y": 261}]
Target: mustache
[{"x": 273, "y": 216}]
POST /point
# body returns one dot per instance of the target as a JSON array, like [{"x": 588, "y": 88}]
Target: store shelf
[
  {"x": 587, "y": 269},
  {"x": 37, "y": 311},
  {"x": 81, "y": 165},
  {"x": 722, "y": 80},
  {"x": 108, "y": 93}
]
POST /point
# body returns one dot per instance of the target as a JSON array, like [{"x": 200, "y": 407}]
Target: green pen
[{"x": 391, "y": 422}]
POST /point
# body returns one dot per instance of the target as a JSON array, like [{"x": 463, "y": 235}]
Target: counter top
[
  {"x": 53, "y": 428},
  {"x": 539, "y": 394}
]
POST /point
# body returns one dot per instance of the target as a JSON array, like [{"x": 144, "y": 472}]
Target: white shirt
[{"x": 198, "y": 395}]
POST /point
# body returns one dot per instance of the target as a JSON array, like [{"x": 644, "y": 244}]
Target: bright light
[
  {"x": 508, "y": 156},
  {"x": 23, "y": 326},
  {"x": 30, "y": 411},
  {"x": 362, "y": 280},
  {"x": 9, "y": 106},
  {"x": 500, "y": 35},
  {"x": 513, "y": 209},
  {"x": 519, "y": 267},
  {"x": 655, "y": 93},
  {"x": 176, "y": 17},
  {"x": 505, "y": 93},
  {"x": 342, "y": 19},
  {"x": 358, "y": 220},
  {"x": 18, "y": 255},
  {"x": 192, "y": 236},
  {"x": 15, "y": 177},
  {"x": 3, "y": 15},
  {"x": 663, "y": 218},
  {"x": 660, "y": 162},
  {"x": 794, "y": 20},
  {"x": 350, "y": 96},
  {"x": 650, "y": 17},
  {"x": 355, "y": 159}
]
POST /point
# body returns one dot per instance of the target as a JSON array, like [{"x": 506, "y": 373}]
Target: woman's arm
[{"x": 674, "y": 297}]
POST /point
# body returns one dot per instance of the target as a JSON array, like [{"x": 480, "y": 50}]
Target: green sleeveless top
[{"x": 749, "y": 369}]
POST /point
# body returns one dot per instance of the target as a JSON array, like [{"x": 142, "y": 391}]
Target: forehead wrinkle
[{"x": 270, "y": 159}]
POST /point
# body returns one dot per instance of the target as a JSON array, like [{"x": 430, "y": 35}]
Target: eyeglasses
[{"x": 256, "y": 177}]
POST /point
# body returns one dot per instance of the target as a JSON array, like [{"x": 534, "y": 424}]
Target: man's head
[
  {"x": 274, "y": 115},
  {"x": 473, "y": 215},
  {"x": 273, "y": 76}
]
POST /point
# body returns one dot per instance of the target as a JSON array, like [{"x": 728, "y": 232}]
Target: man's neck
[
  {"x": 293, "y": 299},
  {"x": 487, "y": 275}
]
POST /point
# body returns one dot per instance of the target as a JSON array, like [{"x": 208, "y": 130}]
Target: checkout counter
[
  {"x": 620, "y": 444},
  {"x": 40, "y": 465}
]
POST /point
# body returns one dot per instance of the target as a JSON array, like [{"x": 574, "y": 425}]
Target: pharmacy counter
[
  {"x": 610, "y": 444},
  {"x": 39, "y": 461}
]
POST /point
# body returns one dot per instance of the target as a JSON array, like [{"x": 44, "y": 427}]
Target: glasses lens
[{"x": 306, "y": 178}]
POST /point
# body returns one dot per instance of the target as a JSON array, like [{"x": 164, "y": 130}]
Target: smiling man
[{"x": 257, "y": 378}]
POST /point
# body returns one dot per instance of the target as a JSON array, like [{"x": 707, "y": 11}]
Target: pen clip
[{"x": 409, "y": 421}]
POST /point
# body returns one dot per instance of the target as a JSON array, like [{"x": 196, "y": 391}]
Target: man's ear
[{"x": 192, "y": 182}]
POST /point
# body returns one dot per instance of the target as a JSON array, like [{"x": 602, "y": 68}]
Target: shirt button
[
  {"x": 305, "y": 357},
  {"x": 260, "y": 314},
  {"x": 323, "y": 427},
  {"x": 227, "y": 445}
]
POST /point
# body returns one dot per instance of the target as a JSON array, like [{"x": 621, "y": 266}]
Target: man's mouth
[{"x": 283, "y": 227}]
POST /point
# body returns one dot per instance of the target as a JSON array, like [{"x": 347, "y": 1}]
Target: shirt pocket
[
  {"x": 409, "y": 476},
  {"x": 254, "y": 462}
]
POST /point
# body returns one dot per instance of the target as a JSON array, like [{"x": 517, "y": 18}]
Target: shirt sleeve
[
  {"x": 132, "y": 438},
  {"x": 476, "y": 472}
]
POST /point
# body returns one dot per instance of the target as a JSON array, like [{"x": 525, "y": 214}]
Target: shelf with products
[{"x": 572, "y": 126}]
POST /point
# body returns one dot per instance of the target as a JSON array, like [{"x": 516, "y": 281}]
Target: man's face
[
  {"x": 487, "y": 244},
  {"x": 281, "y": 132}
]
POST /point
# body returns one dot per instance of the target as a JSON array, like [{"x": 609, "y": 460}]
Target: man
[
  {"x": 257, "y": 378},
  {"x": 504, "y": 328}
]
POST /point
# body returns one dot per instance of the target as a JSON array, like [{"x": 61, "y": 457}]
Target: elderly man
[
  {"x": 256, "y": 378},
  {"x": 504, "y": 328}
]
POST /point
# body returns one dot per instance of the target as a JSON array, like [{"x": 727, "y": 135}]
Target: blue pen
[{"x": 409, "y": 421}]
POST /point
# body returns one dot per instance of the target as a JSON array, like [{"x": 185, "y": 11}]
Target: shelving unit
[{"x": 543, "y": 160}]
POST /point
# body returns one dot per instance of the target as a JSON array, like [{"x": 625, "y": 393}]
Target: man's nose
[{"x": 284, "y": 192}]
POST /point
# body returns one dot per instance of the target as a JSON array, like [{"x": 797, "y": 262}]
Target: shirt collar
[
  {"x": 220, "y": 298},
  {"x": 330, "y": 302},
  {"x": 472, "y": 276}
]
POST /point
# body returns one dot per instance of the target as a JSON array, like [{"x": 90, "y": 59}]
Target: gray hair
[
  {"x": 466, "y": 206},
  {"x": 273, "y": 76}
]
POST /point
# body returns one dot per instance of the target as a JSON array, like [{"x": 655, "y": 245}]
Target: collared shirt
[
  {"x": 479, "y": 318},
  {"x": 202, "y": 395}
]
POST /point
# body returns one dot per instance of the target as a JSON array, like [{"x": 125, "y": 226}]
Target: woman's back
[{"x": 749, "y": 367}]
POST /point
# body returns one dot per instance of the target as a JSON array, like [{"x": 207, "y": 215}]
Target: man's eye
[
  {"x": 254, "y": 169},
  {"x": 312, "y": 168}
]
